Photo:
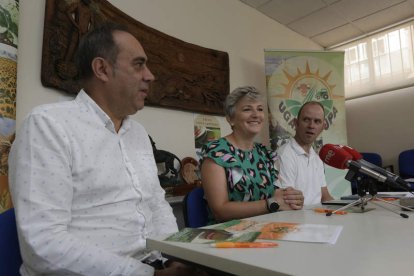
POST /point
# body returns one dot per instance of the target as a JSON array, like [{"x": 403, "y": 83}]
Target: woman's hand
[{"x": 292, "y": 198}]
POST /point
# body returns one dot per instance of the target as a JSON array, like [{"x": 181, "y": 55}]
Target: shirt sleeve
[
  {"x": 221, "y": 153},
  {"x": 42, "y": 190},
  {"x": 163, "y": 221},
  {"x": 287, "y": 167}
]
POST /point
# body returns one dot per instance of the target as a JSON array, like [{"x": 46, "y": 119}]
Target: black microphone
[
  {"x": 339, "y": 157},
  {"x": 391, "y": 178},
  {"x": 336, "y": 156}
]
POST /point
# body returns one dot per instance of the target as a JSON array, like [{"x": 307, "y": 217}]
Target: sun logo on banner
[{"x": 308, "y": 86}]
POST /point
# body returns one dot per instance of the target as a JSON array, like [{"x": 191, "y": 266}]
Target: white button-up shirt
[
  {"x": 86, "y": 197},
  {"x": 301, "y": 171}
]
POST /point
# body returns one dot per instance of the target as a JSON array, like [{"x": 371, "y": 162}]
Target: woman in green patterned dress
[{"x": 238, "y": 175}]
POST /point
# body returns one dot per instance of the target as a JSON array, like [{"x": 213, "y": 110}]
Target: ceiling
[{"x": 331, "y": 22}]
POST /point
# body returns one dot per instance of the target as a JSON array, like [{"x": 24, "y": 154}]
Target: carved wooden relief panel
[{"x": 188, "y": 77}]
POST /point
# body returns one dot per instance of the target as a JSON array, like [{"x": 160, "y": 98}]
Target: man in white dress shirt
[
  {"x": 298, "y": 164},
  {"x": 82, "y": 173}
]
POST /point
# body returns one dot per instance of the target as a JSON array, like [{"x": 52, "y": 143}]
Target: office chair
[
  {"x": 406, "y": 165},
  {"x": 373, "y": 158},
  {"x": 10, "y": 259},
  {"x": 195, "y": 209}
]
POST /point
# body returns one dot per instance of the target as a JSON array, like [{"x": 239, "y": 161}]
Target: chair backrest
[
  {"x": 195, "y": 209},
  {"x": 10, "y": 259},
  {"x": 373, "y": 158},
  {"x": 406, "y": 164}
]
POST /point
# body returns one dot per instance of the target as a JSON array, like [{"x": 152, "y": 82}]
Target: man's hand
[{"x": 294, "y": 198}]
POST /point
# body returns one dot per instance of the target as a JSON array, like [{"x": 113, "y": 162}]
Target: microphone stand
[{"x": 367, "y": 191}]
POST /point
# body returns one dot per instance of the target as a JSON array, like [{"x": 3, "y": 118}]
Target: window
[{"x": 381, "y": 62}]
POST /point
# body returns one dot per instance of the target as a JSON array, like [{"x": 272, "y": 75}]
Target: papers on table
[
  {"x": 248, "y": 230},
  {"x": 199, "y": 235},
  {"x": 300, "y": 232}
]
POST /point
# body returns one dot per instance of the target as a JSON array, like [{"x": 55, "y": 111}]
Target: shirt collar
[
  {"x": 83, "y": 99},
  {"x": 299, "y": 150}
]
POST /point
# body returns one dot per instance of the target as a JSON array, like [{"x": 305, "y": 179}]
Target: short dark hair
[
  {"x": 308, "y": 103},
  {"x": 97, "y": 43}
]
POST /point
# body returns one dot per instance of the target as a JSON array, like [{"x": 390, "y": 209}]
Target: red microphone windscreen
[
  {"x": 355, "y": 154},
  {"x": 335, "y": 156}
]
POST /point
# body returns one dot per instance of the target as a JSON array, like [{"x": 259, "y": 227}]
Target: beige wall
[
  {"x": 382, "y": 123},
  {"x": 226, "y": 25}
]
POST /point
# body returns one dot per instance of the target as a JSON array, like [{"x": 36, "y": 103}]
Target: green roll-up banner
[{"x": 296, "y": 77}]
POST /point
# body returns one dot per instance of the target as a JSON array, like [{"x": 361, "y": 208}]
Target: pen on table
[
  {"x": 244, "y": 244},
  {"x": 321, "y": 210}
]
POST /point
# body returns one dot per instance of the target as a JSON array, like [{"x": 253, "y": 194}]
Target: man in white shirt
[
  {"x": 82, "y": 173},
  {"x": 298, "y": 164}
]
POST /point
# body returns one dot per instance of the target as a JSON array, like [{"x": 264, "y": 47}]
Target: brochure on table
[{"x": 250, "y": 230}]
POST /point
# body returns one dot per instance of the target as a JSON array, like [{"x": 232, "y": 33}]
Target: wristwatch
[{"x": 272, "y": 205}]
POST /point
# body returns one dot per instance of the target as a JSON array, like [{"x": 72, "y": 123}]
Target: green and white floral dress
[{"x": 250, "y": 174}]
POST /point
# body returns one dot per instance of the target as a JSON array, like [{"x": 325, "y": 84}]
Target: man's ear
[
  {"x": 101, "y": 68},
  {"x": 325, "y": 125}
]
